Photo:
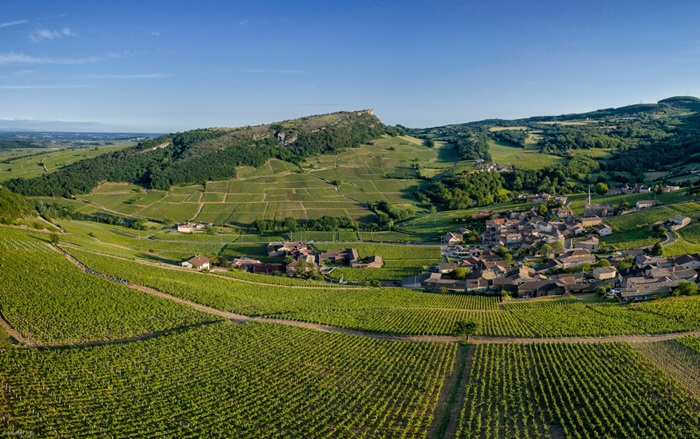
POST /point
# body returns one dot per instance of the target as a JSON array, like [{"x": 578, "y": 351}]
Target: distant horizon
[
  {"x": 163, "y": 132},
  {"x": 176, "y": 66}
]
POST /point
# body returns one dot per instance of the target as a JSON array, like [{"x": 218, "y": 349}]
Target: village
[{"x": 523, "y": 254}]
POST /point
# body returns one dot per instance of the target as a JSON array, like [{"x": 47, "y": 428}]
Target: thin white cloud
[
  {"x": 277, "y": 71},
  {"x": 12, "y": 23},
  {"x": 155, "y": 33},
  {"x": 13, "y": 58},
  {"x": 40, "y": 35},
  {"x": 38, "y": 87},
  {"x": 243, "y": 22},
  {"x": 14, "y": 119},
  {"x": 132, "y": 76}
]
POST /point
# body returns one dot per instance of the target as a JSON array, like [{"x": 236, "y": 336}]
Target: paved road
[{"x": 670, "y": 237}]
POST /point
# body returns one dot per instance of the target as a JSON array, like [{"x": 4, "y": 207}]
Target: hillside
[
  {"x": 209, "y": 154},
  {"x": 627, "y": 141}
]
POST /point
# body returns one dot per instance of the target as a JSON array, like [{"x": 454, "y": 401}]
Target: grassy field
[
  {"x": 27, "y": 163},
  {"x": 505, "y": 154},
  {"x": 688, "y": 240}
]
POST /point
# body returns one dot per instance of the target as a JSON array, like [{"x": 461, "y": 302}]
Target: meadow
[{"x": 522, "y": 158}]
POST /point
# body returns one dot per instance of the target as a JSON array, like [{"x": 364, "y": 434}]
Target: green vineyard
[
  {"x": 47, "y": 299},
  {"x": 573, "y": 391},
  {"x": 250, "y": 381}
]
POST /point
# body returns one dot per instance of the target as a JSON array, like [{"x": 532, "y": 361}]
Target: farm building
[
  {"x": 245, "y": 263},
  {"x": 591, "y": 243},
  {"x": 436, "y": 282},
  {"x": 688, "y": 261},
  {"x": 679, "y": 221},
  {"x": 604, "y": 273},
  {"x": 348, "y": 256},
  {"x": 372, "y": 262},
  {"x": 574, "y": 257},
  {"x": 197, "y": 262},
  {"x": 643, "y": 204},
  {"x": 287, "y": 248},
  {"x": 188, "y": 227},
  {"x": 603, "y": 230}
]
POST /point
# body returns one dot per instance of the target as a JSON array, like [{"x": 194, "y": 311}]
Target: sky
[{"x": 166, "y": 66}]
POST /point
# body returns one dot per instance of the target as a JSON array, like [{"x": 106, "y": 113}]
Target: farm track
[
  {"x": 199, "y": 210},
  {"x": 14, "y": 334},
  {"x": 452, "y": 397}
]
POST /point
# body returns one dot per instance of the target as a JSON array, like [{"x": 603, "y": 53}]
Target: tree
[
  {"x": 603, "y": 263},
  {"x": 465, "y": 328},
  {"x": 657, "y": 249},
  {"x": 544, "y": 249},
  {"x": 603, "y": 289},
  {"x": 55, "y": 239},
  {"x": 373, "y": 283},
  {"x": 626, "y": 263},
  {"x": 601, "y": 188},
  {"x": 542, "y": 210},
  {"x": 289, "y": 224},
  {"x": 686, "y": 289},
  {"x": 460, "y": 273}
]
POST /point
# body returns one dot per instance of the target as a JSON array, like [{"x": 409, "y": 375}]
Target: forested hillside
[{"x": 210, "y": 154}]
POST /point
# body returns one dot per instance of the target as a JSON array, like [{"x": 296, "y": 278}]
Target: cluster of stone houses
[
  {"x": 497, "y": 276},
  {"x": 626, "y": 189},
  {"x": 493, "y": 167},
  {"x": 654, "y": 275},
  {"x": 522, "y": 230},
  {"x": 650, "y": 276},
  {"x": 302, "y": 255}
]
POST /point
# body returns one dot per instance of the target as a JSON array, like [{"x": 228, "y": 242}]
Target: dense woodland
[
  {"x": 465, "y": 191},
  {"x": 209, "y": 154}
]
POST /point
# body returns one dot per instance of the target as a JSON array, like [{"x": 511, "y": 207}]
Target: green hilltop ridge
[
  {"x": 209, "y": 154},
  {"x": 349, "y": 165},
  {"x": 626, "y": 141}
]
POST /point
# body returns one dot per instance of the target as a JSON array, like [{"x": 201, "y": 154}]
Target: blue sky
[{"x": 162, "y": 66}]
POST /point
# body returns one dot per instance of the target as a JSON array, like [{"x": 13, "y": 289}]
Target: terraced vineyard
[
  {"x": 47, "y": 299},
  {"x": 573, "y": 391},
  {"x": 255, "y": 380}
]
